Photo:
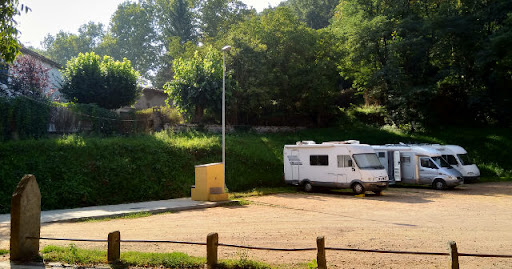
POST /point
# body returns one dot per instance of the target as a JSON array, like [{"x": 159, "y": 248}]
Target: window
[
  {"x": 405, "y": 159},
  {"x": 427, "y": 163},
  {"x": 464, "y": 159},
  {"x": 382, "y": 154},
  {"x": 344, "y": 161},
  {"x": 319, "y": 160},
  {"x": 368, "y": 161},
  {"x": 450, "y": 159}
]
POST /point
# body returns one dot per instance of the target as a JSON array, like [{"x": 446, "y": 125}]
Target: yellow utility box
[{"x": 209, "y": 183}]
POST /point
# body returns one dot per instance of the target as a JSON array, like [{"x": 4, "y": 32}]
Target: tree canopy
[
  {"x": 90, "y": 79},
  {"x": 426, "y": 62}
]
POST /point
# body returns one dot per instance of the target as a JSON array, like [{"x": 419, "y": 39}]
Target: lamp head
[{"x": 226, "y": 48}]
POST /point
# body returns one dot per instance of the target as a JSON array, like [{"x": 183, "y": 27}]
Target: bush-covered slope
[{"x": 75, "y": 171}]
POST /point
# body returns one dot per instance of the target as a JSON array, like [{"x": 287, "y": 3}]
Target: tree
[
  {"x": 64, "y": 46},
  {"x": 282, "y": 69},
  {"x": 315, "y": 13},
  {"x": 218, "y": 16},
  {"x": 28, "y": 77},
  {"x": 197, "y": 83},
  {"x": 9, "y": 45},
  {"x": 176, "y": 18},
  {"x": 132, "y": 35},
  {"x": 110, "y": 84}
]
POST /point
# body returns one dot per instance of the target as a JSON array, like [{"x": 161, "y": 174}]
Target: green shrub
[{"x": 23, "y": 118}]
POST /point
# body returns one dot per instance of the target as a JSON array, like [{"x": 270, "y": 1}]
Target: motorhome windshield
[
  {"x": 464, "y": 159},
  {"x": 441, "y": 162},
  {"x": 367, "y": 161}
]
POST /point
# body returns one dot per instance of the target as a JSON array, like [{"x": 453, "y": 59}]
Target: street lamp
[{"x": 224, "y": 49}]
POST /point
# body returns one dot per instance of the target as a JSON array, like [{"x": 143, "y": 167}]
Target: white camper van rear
[{"x": 334, "y": 165}]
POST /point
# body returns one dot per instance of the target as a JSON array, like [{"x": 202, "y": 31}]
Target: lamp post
[{"x": 224, "y": 49}]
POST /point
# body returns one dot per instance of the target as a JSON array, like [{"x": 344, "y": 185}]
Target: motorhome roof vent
[{"x": 306, "y": 142}]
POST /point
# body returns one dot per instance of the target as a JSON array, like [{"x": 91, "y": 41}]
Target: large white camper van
[
  {"x": 417, "y": 164},
  {"x": 458, "y": 158},
  {"x": 342, "y": 165}
]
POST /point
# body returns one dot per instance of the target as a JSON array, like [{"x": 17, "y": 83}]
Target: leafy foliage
[
  {"x": 110, "y": 84},
  {"x": 23, "y": 117},
  {"x": 197, "y": 83},
  {"x": 28, "y": 77},
  {"x": 9, "y": 45}
]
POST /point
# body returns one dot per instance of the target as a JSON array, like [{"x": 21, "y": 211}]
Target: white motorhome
[
  {"x": 417, "y": 164},
  {"x": 342, "y": 165},
  {"x": 458, "y": 158}
]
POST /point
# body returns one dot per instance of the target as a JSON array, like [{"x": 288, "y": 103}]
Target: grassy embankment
[{"x": 75, "y": 171}]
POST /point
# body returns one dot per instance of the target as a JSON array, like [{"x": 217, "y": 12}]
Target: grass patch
[
  {"x": 75, "y": 256},
  {"x": 126, "y": 216},
  {"x": 4, "y": 251},
  {"x": 261, "y": 192}
]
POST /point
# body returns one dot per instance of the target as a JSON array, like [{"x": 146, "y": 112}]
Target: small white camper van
[
  {"x": 417, "y": 164},
  {"x": 342, "y": 165},
  {"x": 458, "y": 158}
]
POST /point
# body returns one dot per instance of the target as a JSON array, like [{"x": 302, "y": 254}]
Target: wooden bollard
[
  {"x": 320, "y": 256},
  {"x": 454, "y": 255},
  {"x": 114, "y": 247},
  {"x": 211, "y": 250}
]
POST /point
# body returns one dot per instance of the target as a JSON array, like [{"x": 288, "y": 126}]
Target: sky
[{"x": 51, "y": 16}]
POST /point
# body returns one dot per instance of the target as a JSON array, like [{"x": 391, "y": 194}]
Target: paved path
[{"x": 171, "y": 205}]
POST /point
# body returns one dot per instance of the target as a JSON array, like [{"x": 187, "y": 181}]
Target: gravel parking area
[{"x": 476, "y": 216}]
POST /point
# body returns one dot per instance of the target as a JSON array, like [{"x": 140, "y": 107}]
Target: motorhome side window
[
  {"x": 344, "y": 161},
  {"x": 405, "y": 159},
  {"x": 450, "y": 159},
  {"x": 319, "y": 160},
  {"x": 382, "y": 155},
  {"x": 427, "y": 163}
]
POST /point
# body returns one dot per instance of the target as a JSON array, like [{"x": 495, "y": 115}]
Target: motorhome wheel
[
  {"x": 358, "y": 188},
  {"x": 439, "y": 184},
  {"x": 308, "y": 187}
]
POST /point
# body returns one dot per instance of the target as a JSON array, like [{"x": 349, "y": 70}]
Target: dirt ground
[{"x": 478, "y": 217}]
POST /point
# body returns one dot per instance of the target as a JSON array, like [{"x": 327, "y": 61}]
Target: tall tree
[
  {"x": 132, "y": 35},
  {"x": 218, "y": 16},
  {"x": 280, "y": 70},
  {"x": 176, "y": 18},
  {"x": 315, "y": 13}
]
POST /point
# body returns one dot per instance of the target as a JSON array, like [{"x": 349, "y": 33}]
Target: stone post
[{"x": 25, "y": 220}]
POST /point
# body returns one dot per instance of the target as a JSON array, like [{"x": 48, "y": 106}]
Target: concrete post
[
  {"x": 114, "y": 247},
  {"x": 211, "y": 250},
  {"x": 320, "y": 256},
  {"x": 454, "y": 255},
  {"x": 25, "y": 220}
]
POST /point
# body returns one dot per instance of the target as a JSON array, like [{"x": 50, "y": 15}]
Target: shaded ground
[{"x": 477, "y": 216}]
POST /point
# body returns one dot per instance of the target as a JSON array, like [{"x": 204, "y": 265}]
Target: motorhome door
[
  {"x": 295, "y": 164},
  {"x": 396, "y": 166}
]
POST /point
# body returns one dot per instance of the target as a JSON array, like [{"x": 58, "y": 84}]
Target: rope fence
[{"x": 212, "y": 244}]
